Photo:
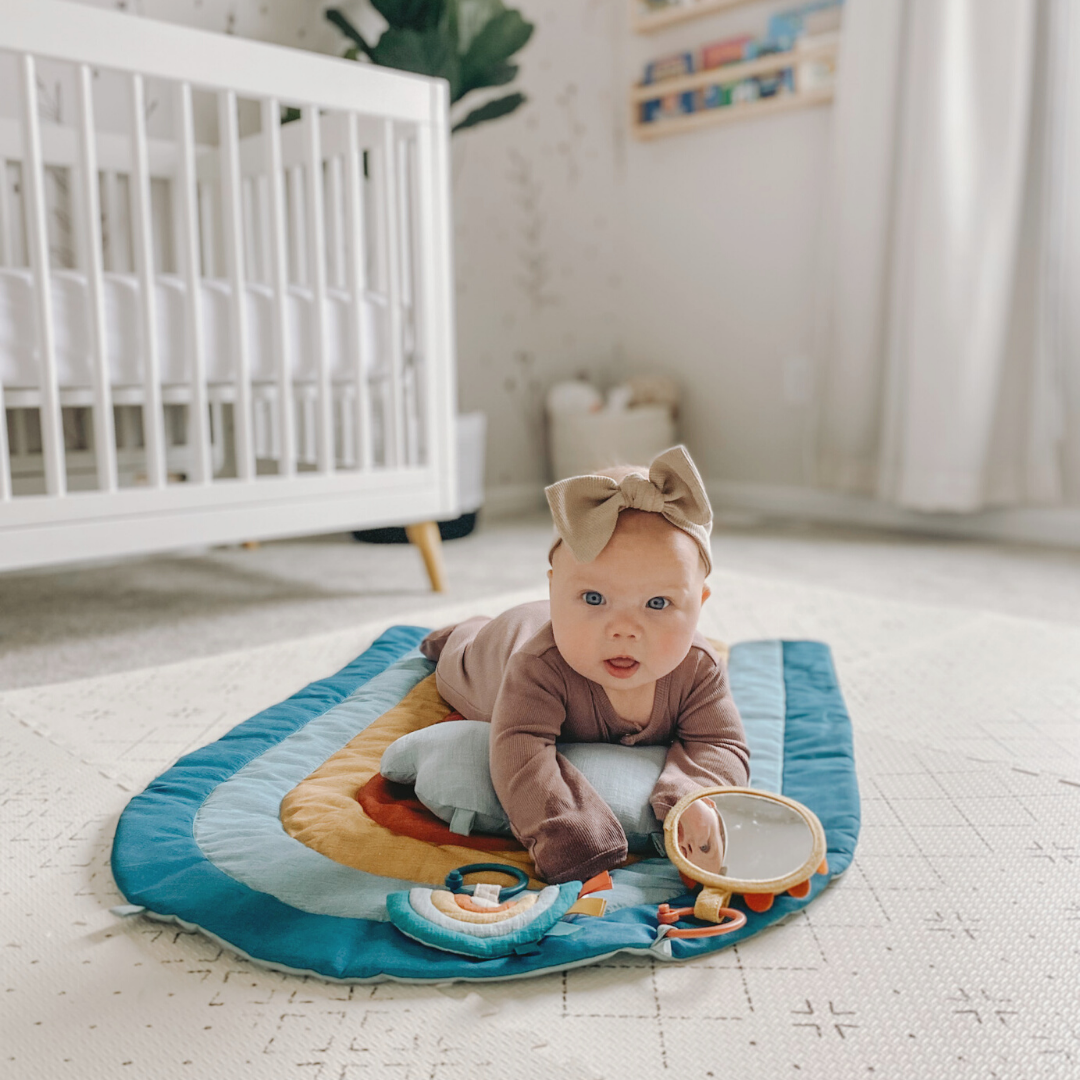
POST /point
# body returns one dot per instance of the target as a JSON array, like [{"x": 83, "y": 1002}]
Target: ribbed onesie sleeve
[
  {"x": 569, "y": 831},
  {"x": 709, "y": 744}
]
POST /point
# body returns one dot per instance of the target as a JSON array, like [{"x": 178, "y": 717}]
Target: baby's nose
[{"x": 624, "y": 626}]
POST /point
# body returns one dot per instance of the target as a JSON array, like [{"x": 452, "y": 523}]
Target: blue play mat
[{"x": 203, "y": 845}]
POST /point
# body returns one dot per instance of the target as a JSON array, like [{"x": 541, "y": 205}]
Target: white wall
[
  {"x": 539, "y": 212},
  {"x": 720, "y": 236},
  {"x": 579, "y": 249},
  {"x": 298, "y": 23}
]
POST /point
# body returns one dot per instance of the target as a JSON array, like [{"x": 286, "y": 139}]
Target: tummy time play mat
[{"x": 282, "y": 840}]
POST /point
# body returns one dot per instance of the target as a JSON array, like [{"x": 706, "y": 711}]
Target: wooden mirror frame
[{"x": 730, "y": 885}]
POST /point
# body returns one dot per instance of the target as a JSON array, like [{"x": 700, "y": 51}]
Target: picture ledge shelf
[
  {"x": 651, "y": 22},
  {"x": 729, "y": 114}
]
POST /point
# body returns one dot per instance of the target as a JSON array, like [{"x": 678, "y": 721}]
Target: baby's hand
[{"x": 700, "y": 836}]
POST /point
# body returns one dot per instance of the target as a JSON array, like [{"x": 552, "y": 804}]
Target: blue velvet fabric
[
  {"x": 157, "y": 862},
  {"x": 756, "y": 677}
]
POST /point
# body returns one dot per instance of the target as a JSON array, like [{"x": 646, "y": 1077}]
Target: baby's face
[{"x": 628, "y": 617}]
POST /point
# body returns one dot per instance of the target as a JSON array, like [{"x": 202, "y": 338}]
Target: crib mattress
[
  {"x": 205, "y": 846},
  {"x": 20, "y": 356}
]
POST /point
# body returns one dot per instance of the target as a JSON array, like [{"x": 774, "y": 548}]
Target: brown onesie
[{"x": 508, "y": 671}]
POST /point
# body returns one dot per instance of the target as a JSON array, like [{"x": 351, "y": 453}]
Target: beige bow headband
[{"x": 586, "y": 508}]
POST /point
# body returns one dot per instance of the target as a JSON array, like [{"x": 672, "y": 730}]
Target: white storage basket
[{"x": 584, "y": 442}]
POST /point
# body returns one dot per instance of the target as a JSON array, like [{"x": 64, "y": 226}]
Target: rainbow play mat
[{"x": 282, "y": 841}]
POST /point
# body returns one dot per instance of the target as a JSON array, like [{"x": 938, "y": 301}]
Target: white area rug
[{"x": 949, "y": 949}]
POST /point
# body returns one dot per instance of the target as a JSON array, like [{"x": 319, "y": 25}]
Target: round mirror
[{"x": 747, "y": 841}]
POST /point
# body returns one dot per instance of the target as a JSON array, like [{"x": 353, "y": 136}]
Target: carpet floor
[{"x": 949, "y": 948}]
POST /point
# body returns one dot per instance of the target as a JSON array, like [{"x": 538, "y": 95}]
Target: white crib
[{"x": 219, "y": 320}]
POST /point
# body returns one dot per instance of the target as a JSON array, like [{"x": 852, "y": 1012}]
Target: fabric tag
[
  {"x": 462, "y": 821},
  {"x": 486, "y": 895},
  {"x": 589, "y": 905}
]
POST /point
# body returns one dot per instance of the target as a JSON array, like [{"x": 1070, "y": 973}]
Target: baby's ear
[
  {"x": 550, "y": 573},
  {"x": 706, "y": 592}
]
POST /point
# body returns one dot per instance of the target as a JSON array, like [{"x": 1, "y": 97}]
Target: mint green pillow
[{"x": 447, "y": 764}]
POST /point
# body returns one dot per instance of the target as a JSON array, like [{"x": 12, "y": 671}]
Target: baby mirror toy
[{"x": 739, "y": 840}]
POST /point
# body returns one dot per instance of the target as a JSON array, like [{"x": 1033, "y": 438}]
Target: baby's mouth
[{"x": 622, "y": 667}]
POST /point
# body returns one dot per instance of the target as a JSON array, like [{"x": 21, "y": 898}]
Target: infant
[{"x": 613, "y": 656}]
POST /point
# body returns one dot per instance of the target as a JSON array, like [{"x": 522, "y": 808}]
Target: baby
[{"x": 614, "y": 656}]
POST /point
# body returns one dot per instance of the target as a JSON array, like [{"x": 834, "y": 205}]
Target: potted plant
[{"x": 467, "y": 42}]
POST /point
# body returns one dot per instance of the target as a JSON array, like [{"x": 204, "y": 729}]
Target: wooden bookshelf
[
  {"x": 731, "y": 73},
  {"x": 729, "y": 114},
  {"x": 652, "y": 21}
]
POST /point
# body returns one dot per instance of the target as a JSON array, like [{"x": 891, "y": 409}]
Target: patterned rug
[{"x": 949, "y": 948}]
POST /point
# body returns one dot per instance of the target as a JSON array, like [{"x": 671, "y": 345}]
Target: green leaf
[
  {"x": 491, "y": 111},
  {"x": 499, "y": 75},
  {"x": 473, "y": 16},
  {"x": 411, "y": 14},
  {"x": 425, "y": 53},
  {"x": 500, "y": 38},
  {"x": 337, "y": 17}
]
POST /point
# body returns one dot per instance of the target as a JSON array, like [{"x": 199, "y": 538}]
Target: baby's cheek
[
  {"x": 573, "y": 642},
  {"x": 674, "y": 643}
]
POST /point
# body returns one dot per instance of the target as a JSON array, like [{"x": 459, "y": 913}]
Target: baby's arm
[
  {"x": 709, "y": 748},
  {"x": 569, "y": 831}
]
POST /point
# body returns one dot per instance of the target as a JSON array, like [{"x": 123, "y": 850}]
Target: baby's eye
[
  {"x": 593, "y": 598},
  {"x": 657, "y": 603}
]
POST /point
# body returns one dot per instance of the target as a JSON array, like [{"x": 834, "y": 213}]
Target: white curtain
[{"x": 946, "y": 348}]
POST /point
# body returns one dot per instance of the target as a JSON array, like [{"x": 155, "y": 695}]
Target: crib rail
[{"x": 241, "y": 325}]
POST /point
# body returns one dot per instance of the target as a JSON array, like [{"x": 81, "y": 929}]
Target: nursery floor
[
  {"x": 949, "y": 949},
  {"x": 72, "y": 622}
]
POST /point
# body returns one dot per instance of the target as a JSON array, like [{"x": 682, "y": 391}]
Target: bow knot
[
  {"x": 639, "y": 494},
  {"x": 586, "y": 508}
]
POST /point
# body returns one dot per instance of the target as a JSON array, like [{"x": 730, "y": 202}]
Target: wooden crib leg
[{"x": 425, "y": 536}]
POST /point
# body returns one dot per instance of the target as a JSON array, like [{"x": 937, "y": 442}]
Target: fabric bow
[{"x": 586, "y": 508}]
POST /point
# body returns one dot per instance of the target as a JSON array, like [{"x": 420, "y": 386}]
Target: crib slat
[
  {"x": 404, "y": 204},
  {"x": 316, "y": 257},
  {"x": 298, "y": 246},
  {"x": 356, "y": 282},
  {"x": 389, "y": 206},
  {"x": 415, "y": 429},
  {"x": 37, "y": 242},
  {"x": 247, "y": 204},
  {"x": 335, "y": 229},
  {"x": 185, "y": 189},
  {"x": 139, "y": 181},
  {"x": 279, "y": 284},
  {"x": 434, "y": 303},
  {"x": 233, "y": 234},
  {"x": 90, "y": 228}
]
